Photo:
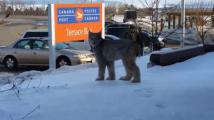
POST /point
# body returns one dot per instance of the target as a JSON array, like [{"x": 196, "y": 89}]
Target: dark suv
[{"x": 120, "y": 31}]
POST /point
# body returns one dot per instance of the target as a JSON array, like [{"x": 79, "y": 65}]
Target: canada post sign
[
  {"x": 78, "y": 15},
  {"x": 73, "y": 21}
]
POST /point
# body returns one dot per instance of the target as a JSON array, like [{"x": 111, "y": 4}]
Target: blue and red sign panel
[
  {"x": 73, "y": 21},
  {"x": 78, "y": 15}
]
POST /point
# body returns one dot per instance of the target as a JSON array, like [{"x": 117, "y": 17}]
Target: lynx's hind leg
[
  {"x": 131, "y": 67},
  {"x": 111, "y": 70},
  {"x": 135, "y": 72},
  {"x": 128, "y": 75}
]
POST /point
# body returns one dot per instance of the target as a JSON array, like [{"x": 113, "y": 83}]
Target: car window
[
  {"x": 23, "y": 44},
  {"x": 120, "y": 32},
  {"x": 79, "y": 45},
  {"x": 38, "y": 44},
  {"x": 60, "y": 46},
  {"x": 36, "y": 34}
]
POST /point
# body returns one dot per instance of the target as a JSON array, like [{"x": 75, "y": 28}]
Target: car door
[
  {"x": 23, "y": 52},
  {"x": 40, "y": 52}
]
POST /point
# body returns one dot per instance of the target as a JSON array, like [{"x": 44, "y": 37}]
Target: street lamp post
[{"x": 183, "y": 20}]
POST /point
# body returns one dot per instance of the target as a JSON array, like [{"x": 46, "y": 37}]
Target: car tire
[
  {"x": 10, "y": 63},
  {"x": 62, "y": 61}
]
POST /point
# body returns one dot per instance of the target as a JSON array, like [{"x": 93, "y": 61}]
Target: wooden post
[
  {"x": 191, "y": 23},
  {"x": 173, "y": 21},
  {"x": 179, "y": 21},
  {"x": 156, "y": 18},
  {"x": 213, "y": 21},
  {"x": 169, "y": 21},
  {"x": 162, "y": 25}
]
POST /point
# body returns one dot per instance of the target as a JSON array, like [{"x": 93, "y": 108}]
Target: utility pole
[
  {"x": 156, "y": 17},
  {"x": 183, "y": 20}
]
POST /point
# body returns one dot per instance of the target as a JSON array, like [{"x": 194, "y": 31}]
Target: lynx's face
[{"x": 94, "y": 39}]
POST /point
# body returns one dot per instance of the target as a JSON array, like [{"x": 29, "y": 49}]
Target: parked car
[
  {"x": 35, "y": 52},
  {"x": 120, "y": 30},
  {"x": 40, "y": 33}
]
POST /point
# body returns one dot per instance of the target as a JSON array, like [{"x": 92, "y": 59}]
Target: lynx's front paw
[
  {"x": 100, "y": 79},
  {"x": 125, "y": 78},
  {"x": 136, "y": 81},
  {"x": 110, "y": 78}
]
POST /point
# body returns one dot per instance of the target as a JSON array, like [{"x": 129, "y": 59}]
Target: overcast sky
[{"x": 135, "y": 2}]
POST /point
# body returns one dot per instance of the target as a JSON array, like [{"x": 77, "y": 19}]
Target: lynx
[{"x": 107, "y": 51}]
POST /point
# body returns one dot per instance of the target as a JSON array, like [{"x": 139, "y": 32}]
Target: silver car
[{"x": 35, "y": 52}]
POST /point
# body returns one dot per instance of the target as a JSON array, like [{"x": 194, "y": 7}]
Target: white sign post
[
  {"x": 103, "y": 20},
  {"x": 51, "y": 36}
]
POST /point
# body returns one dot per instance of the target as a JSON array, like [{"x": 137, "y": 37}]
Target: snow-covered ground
[{"x": 183, "y": 91}]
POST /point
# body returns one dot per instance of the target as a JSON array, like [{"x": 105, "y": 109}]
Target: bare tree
[
  {"x": 110, "y": 11},
  {"x": 153, "y": 6},
  {"x": 202, "y": 19},
  {"x": 10, "y": 6},
  {"x": 14, "y": 4},
  {"x": 3, "y": 6},
  {"x": 32, "y": 3}
]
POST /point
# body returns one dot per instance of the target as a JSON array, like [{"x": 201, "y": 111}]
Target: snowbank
[{"x": 178, "y": 92}]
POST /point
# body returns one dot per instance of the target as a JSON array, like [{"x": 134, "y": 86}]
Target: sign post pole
[
  {"x": 103, "y": 21},
  {"x": 52, "y": 41}
]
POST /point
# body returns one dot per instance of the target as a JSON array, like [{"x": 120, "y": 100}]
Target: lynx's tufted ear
[{"x": 89, "y": 31}]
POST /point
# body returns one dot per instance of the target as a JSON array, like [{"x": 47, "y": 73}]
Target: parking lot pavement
[{"x": 2, "y": 69}]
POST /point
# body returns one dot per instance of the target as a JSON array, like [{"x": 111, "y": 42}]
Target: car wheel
[
  {"x": 62, "y": 62},
  {"x": 10, "y": 63}
]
